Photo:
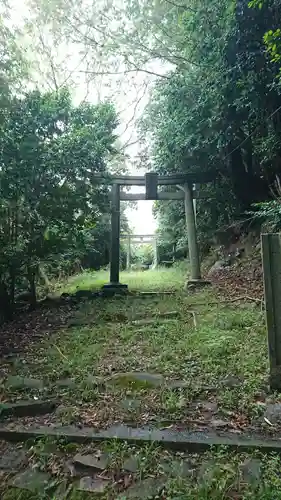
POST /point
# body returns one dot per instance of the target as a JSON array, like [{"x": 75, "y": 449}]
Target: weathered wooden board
[
  {"x": 271, "y": 255},
  {"x": 151, "y": 185}
]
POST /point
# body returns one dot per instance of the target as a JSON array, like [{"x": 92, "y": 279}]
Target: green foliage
[
  {"x": 269, "y": 212},
  {"x": 256, "y": 3},
  {"x": 217, "y": 106},
  {"x": 272, "y": 38},
  {"x": 272, "y": 41},
  {"x": 220, "y": 114},
  {"x": 13, "y": 66},
  {"x": 143, "y": 254},
  {"x": 49, "y": 201}
]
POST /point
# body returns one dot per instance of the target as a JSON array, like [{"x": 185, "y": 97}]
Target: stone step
[
  {"x": 27, "y": 408},
  {"x": 98, "y": 482},
  {"x": 170, "y": 439},
  {"x": 130, "y": 472}
]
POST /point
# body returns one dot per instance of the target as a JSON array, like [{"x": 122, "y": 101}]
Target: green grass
[
  {"x": 158, "y": 279},
  {"x": 204, "y": 346}
]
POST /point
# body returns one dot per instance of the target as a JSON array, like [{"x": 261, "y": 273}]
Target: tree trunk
[
  {"x": 44, "y": 276},
  {"x": 5, "y": 305},
  {"x": 31, "y": 278},
  {"x": 12, "y": 288}
]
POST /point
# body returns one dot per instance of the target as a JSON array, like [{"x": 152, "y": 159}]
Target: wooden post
[
  {"x": 128, "y": 263},
  {"x": 195, "y": 273},
  {"x": 115, "y": 234},
  {"x": 271, "y": 256}
]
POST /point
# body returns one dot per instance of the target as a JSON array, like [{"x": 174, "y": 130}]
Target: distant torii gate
[
  {"x": 184, "y": 184},
  {"x": 139, "y": 239}
]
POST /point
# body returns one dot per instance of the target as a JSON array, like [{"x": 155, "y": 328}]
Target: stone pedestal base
[
  {"x": 275, "y": 378},
  {"x": 114, "y": 288},
  {"x": 191, "y": 284}
]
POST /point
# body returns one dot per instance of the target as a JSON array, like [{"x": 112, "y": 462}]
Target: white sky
[
  {"x": 124, "y": 97},
  {"x": 141, "y": 219}
]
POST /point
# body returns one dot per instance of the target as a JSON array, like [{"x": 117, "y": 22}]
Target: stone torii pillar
[
  {"x": 115, "y": 241},
  {"x": 195, "y": 272},
  {"x": 128, "y": 260},
  {"x": 155, "y": 251},
  {"x": 115, "y": 234}
]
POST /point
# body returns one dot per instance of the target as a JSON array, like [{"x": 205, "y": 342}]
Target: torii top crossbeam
[{"x": 162, "y": 180}]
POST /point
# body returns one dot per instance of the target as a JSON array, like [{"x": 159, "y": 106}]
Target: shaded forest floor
[
  {"x": 194, "y": 361},
  {"x": 244, "y": 277}
]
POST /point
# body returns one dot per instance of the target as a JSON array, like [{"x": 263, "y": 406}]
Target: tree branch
[
  {"x": 139, "y": 98},
  {"x": 113, "y": 73},
  {"x": 128, "y": 144},
  {"x": 181, "y": 6},
  {"x": 50, "y": 58}
]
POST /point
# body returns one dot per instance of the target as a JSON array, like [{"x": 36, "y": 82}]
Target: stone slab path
[{"x": 132, "y": 474}]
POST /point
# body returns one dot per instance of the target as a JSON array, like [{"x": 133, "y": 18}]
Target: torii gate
[
  {"x": 184, "y": 191},
  {"x": 139, "y": 239}
]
